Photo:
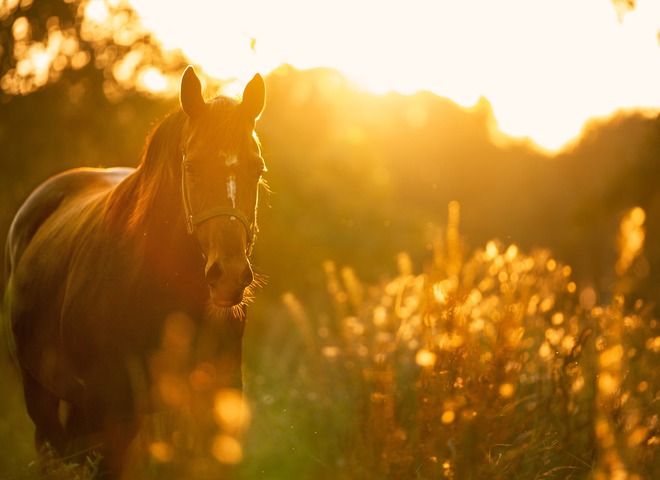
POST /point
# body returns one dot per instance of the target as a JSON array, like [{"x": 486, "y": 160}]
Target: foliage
[
  {"x": 357, "y": 177},
  {"x": 50, "y": 466},
  {"x": 43, "y": 41},
  {"x": 337, "y": 381},
  {"x": 492, "y": 366}
]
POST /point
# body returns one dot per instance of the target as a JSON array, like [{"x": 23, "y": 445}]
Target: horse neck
[
  {"x": 157, "y": 184},
  {"x": 156, "y": 218},
  {"x": 163, "y": 222},
  {"x": 144, "y": 213},
  {"x": 168, "y": 262}
]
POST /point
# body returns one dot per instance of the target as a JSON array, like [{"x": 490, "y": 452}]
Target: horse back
[
  {"x": 43, "y": 239},
  {"x": 79, "y": 185}
]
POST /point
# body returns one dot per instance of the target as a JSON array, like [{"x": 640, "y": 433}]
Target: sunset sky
[{"x": 546, "y": 66}]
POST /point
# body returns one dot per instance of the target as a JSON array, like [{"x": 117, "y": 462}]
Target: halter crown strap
[{"x": 195, "y": 219}]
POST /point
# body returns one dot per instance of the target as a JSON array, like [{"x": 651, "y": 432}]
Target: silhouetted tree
[{"x": 41, "y": 41}]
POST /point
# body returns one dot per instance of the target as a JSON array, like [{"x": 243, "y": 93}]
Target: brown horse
[{"x": 106, "y": 267}]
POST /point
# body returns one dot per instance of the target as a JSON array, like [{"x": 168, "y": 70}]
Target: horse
[{"x": 126, "y": 289}]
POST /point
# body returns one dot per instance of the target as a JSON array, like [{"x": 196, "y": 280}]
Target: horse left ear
[
  {"x": 191, "y": 97},
  {"x": 254, "y": 97}
]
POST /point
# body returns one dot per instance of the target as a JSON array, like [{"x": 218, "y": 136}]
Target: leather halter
[{"x": 194, "y": 219}]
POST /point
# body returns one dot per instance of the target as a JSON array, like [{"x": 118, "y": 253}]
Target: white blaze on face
[
  {"x": 231, "y": 181},
  {"x": 231, "y": 190}
]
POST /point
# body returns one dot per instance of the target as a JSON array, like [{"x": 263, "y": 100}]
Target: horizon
[{"x": 544, "y": 76}]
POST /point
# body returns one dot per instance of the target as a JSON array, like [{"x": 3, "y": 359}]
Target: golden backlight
[{"x": 545, "y": 66}]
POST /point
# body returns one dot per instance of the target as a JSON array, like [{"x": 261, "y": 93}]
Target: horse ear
[
  {"x": 254, "y": 97},
  {"x": 191, "y": 97}
]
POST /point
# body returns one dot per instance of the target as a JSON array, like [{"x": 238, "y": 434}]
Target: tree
[{"x": 41, "y": 41}]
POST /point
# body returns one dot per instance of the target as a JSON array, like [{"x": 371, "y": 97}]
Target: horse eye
[{"x": 188, "y": 168}]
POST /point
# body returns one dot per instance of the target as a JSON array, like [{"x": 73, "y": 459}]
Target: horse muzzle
[{"x": 228, "y": 280}]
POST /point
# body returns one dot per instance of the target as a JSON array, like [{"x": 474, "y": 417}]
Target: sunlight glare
[
  {"x": 425, "y": 358},
  {"x": 545, "y": 67},
  {"x": 97, "y": 11},
  {"x": 227, "y": 449},
  {"x": 231, "y": 410},
  {"x": 152, "y": 80}
]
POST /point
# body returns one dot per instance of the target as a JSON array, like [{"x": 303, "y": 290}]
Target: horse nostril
[
  {"x": 213, "y": 274},
  {"x": 247, "y": 277}
]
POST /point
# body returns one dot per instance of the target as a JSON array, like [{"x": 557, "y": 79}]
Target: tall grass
[
  {"x": 489, "y": 364},
  {"x": 493, "y": 364}
]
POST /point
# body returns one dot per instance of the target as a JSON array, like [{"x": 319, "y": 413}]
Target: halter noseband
[{"x": 194, "y": 219}]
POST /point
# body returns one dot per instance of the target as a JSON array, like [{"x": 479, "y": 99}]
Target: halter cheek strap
[{"x": 194, "y": 219}]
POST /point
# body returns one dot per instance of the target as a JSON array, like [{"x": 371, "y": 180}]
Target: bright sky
[{"x": 546, "y": 66}]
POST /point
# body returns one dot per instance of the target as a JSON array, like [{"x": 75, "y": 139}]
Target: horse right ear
[{"x": 191, "y": 97}]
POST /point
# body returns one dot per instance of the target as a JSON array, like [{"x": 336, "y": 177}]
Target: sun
[{"x": 546, "y": 67}]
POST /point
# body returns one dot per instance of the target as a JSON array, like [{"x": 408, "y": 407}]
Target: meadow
[
  {"x": 393, "y": 339},
  {"x": 485, "y": 363},
  {"x": 482, "y": 363},
  {"x": 442, "y": 300}
]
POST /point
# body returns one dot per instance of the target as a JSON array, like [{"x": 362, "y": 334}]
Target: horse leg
[
  {"x": 87, "y": 433},
  {"x": 99, "y": 427},
  {"x": 120, "y": 433},
  {"x": 43, "y": 408},
  {"x": 58, "y": 424}
]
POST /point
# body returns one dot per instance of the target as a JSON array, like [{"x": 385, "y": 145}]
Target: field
[
  {"x": 484, "y": 363},
  {"x": 492, "y": 363},
  {"x": 439, "y": 303}
]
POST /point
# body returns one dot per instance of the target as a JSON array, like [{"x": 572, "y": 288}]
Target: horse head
[{"x": 221, "y": 169}]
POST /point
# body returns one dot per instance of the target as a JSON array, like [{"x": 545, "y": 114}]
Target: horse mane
[
  {"x": 160, "y": 156},
  {"x": 133, "y": 199},
  {"x": 130, "y": 201}
]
